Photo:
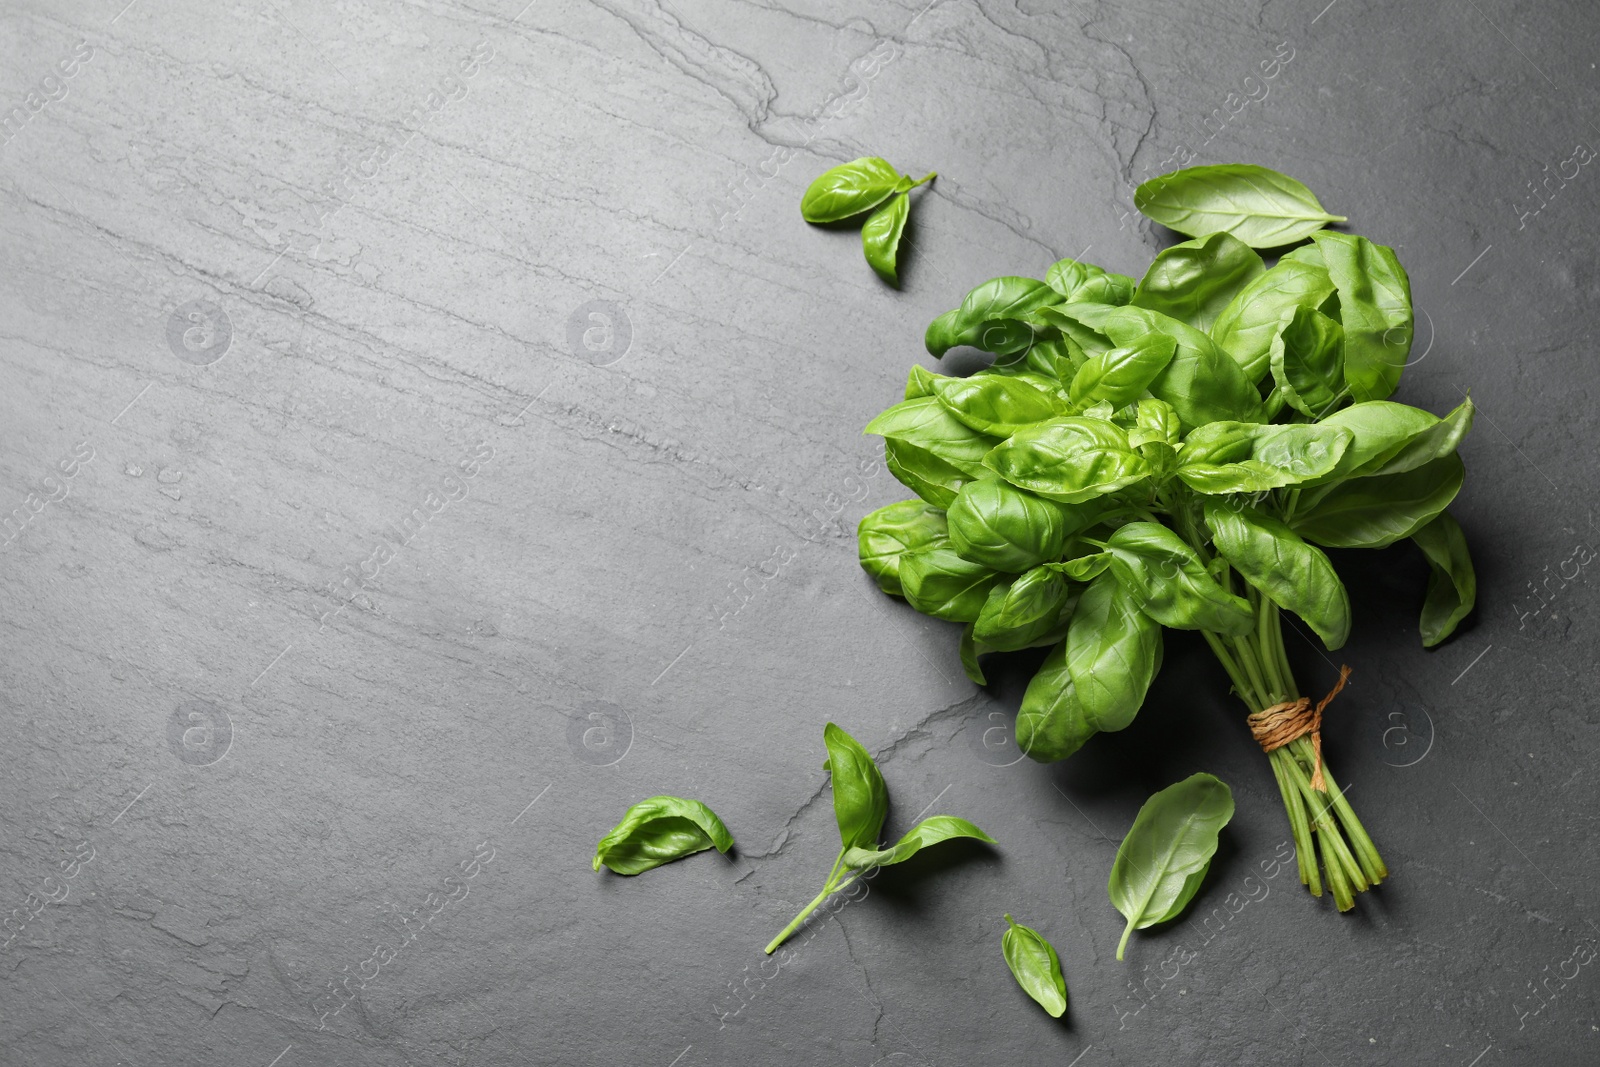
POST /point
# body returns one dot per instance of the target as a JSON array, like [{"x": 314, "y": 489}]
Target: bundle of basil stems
[{"x": 1172, "y": 451}]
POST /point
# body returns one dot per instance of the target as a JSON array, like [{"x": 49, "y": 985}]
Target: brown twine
[{"x": 1280, "y": 724}]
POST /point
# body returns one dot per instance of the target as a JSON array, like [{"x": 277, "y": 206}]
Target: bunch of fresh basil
[{"x": 1176, "y": 451}]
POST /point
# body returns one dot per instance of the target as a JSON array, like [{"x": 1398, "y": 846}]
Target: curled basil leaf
[
  {"x": 1194, "y": 281},
  {"x": 1008, "y": 529},
  {"x": 860, "y": 798},
  {"x": 884, "y": 537},
  {"x": 940, "y": 583},
  {"x": 1170, "y": 582},
  {"x": 1261, "y": 207},
  {"x": 880, "y": 237},
  {"x": 849, "y": 189},
  {"x": 929, "y": 831},
  {"x": 1308, "y": 362},
  {"x": 1118, "y": 376},
  {"x": 1377, "y": 511},
  {"x": 928, "y": 424},
  {"x": 923, "y": 473},
  {"x": 998, "y": 404},
  {"x": 919, "y": 381},
  {"x": 1164, "y": 858},
  {"x": 987, "y": 309},
  {"x": 1375, "y": 309},
  {"x": 1201, "y": 382},
  {"x": 1070, "y": 459},
  {"x": 1085, "y": 281},
  {"x": 1018, "y": 613},
  {"x": 1035, "y": 966},
  {"x": 1246, "y": 327},
  {"x": 1452, "y": 583},
  {"x": 1390, "y": 438},
  {"x": 1242, "y": 457},
  {"x": 659, "y": 830},
  {"x": 1294, "y": 575}
]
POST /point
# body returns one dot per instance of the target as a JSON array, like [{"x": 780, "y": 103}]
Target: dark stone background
[{"x": 279, "y": 300}]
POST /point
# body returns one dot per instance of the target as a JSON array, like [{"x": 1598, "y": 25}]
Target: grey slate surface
[{"x": 274, "y": 306}]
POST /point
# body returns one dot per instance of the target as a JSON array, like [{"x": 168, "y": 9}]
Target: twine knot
[{"x": 1291, "y": 720}]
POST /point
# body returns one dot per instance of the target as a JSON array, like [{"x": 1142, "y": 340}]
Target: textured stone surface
[{"x": 264, "y": 296}]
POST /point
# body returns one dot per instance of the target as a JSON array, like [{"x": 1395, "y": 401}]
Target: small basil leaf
[
  {"x": 1202, "y": 382},
  {"x": 884, "y": 537},
  {"x": 1119, "y": 376},
  {"x": 940, "y": 583},
  {"x": 1035, "y": 966},
  {"x": 860, "y": 799},
  {"x": 995, "y": 301},
  {"x": 928, "y": 424},
  {"x": 659, "y": 830},
  {"x": 1246, "y": 327},
  {"x": 923, "y": 473},
  {"x": 1377, "y": 511},
  {"x": 1083, "y": 568},
  {"x": 880, "y": 236},
  {"x": 1085, "y": 281},
  {"x": 929, "y": 831},
  {"x": 1194, "y": 281},
  {"x": 970, "y": 651},
  {"x": 849, "y": 189},
  {"x": 997, "y": 404},
  {"x": 1452, "y": 583},
  {"x": 1242, "y": 457},
  {"x": 1294, "y": 575},
  {"x": 1051, "y": 724},
  {"x": 1156, "y": 421},
  {"x": 1070, "y": 459},
  {"x": 1018, "y": 613},
  {"x": 1308, "y": 362},
  {"x": 1113, "y": 652},
  {"x": 1375, "y": 308},
  {"x": 1008, "y": 529},
  {"x": 1162, "y": 861},
  {"x": 919, "y": 382},
  {"x": 1261, "y": 207},
  {"x": 1169, "y": 581}
]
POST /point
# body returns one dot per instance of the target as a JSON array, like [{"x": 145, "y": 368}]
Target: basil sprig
[
  {"x": 659, "y": 830},
  {"x": 852, "y": 189}
]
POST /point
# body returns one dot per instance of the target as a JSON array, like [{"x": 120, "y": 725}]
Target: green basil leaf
[
  {"x": 1070, "y": 459},
  {"x": 659, "y": 830},
  {"x": 997, "y": 404},
  {"x": 1202, "y": 382},
  {"x": 923, "y": 473},
  {"x": 1375, "y": 308},
  {"x": 1242, "y": 457},
  {"x": 1051, "y": 724},
  {"x": 987, "y": 308},
  {"x": 1246, "y": 327},
  {"x": 884, "y": 537},
  {"x": 1164, "y": 858},
  {"x": 1119, "y": 376},
  {"x": 1113, "y": 652},
  {"x": 1435, "y": 441},
  {"x": 1170, "y": 583},
  {"x": 1194, "y": 281},
  {"x": 1307, "y": 357},
  {"x": 1000, "y": 526},
  {"x": 971, "y": 649},
  {"x": 860, "y": 799},
  {"x": 1294, "y": 575},
  {"x": 1047, "y": 358},
  {"x": 1452, "y": 583},
  {"x": 849, "y": 189},
  {"x": 1156, "y": 421},
  {"x": 1260, "y": 207},
  {"x": 940, "y": 583},
  {"x": 929, "y": 831},
  {"x": 1083, "y": 568},
  {"x": 1018, "y": 613},
  {"x": 1085, "y": 281},
  {"x": 880, "y": 236},
  {"x": 1080, "y": 325},
  {"x": 1035, "y": 966},
  {"x": 919, "y": 382},
  {"x": 1379, "y": 429},
  {"x": 1310, "y": 255},
  {"x": 928, "y": 424},
  {"x": 1379, "y": 510}
]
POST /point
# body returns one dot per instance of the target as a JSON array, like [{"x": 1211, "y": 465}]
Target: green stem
[
  {"x": 834, "y": 884},
  {"x": 1271, "y": 662},
  {"x": 1304, "y": 855},
  {"x": 1126, "y": 932},
  {"x": 932, "y": 174}
]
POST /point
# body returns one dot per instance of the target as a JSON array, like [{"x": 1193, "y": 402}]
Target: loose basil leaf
[
  {"x": 928, "y": 424},
  {"x": 1307, "y": 357},
  {"x": 1202, "y": 382},
  {"x": 1246, "y": 327},
  {"x": 1035, "y": 966},
  {"x": 997, "y": 404},
  {"x": 1260, "y": 207},
  {"x": 659, "y": 830},
  {"x": 1051, "y": 724},
  {"x": 1070, "y": 459},
  {"x": 1452, "y": 583},
  {"x": 884, "y": 537},
  {"x": 1000, "y": 526},
  {"x": 1119, "y": 376},
  {"x": 1018, "y": 613},
  {"x": 1294, "y": 575},
  {"x": 1375, "y": 308},
  {"x": 919, "y": 382},
  {"x": 880, "y": 236},
  {"x": 860, "y": 799},
  {"x": 849, "y": 190},
  {"x": 929, "y": 831},
  {"x": 988, "y": 306},
  {"x": 1242, "y": 457},
  {"x": 940, "y": 583},
  {"x": 1170, "y": 583},
  {"x": 1085, "y": 281},
  {"x": 1194, "y": 281},
  {"x": 1113, "y": 652},
  {"x": 923, "y": 473},
  {"x": 1377, "y": 511},
  {"x": 1164, "y": 858}
]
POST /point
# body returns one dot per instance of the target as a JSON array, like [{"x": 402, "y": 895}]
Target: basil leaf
[
  {"x": 1113, "y": 652},
  {"x": 989, "y": 305},
  {"x": 1156, "y": 421},
  {"x": 1375, "y": 308},
  {"x": 929, "y": 831},
  {"x": 1379, "y": 430},
  {"x": 919, "y": 382},
  {"x": 1260, "y": 207},
  {"x": 1005, "y": 528},
  {"x": 1018, "y": 613},
  {"x": 880, "y": 236},
  {"x": 860, "y": 799},
  {"x": 927, "y": 423},
  {"x": 1246, "y": 327},
  {"x": 1377, "y": 511},
  {"x": 659, "y": 830},
  {"x": 1080, "y": 326},
  {"x": 1292, "y": 574},
  {"x": 1085, "y": 281},
  {"x": 1164, "y": 858},
  {"x": 1307, "y": 357},
  {"x": 1244, "y": 457},
  {"x": 1170, "y": 583},
  {"x": 1070, "y": 459},
  {"x": 1083, "y": 568},
  {"x": 997, "y": 404},
  {"x": 1439, "y": 439},
  {"x": 1035, "y": 966},
  {"x": 1051, "y": 724},
  {"x": 1452, "y": 583},
  {"x": 940, "y": 583},
  {"x": 970, "y": 651},
  {"x": 884, "y": 537},
  {"x": 1119, "y": 376},
  {"x": 923, "y": 473},
  {"x": 849, "y": 190},
  {"x": 1309, "y": 255},
  {"x": 1194, "y": 281},
  {"x": 1202, "y": 382}
]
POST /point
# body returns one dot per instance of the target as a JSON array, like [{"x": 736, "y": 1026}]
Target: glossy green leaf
[
  {"x": 1083, "y": 568},
  {"x": 940, "y": 583},
  {"x": 1294, "y": 575},
  {"x": 1202, "y": 382},
  {"x": 986, "y": 309},
  {"x": 1375, "y": 309},
  {"x": 1051, "y": 724},
  {"x": 1035, "y": 966},
  {"x": 1169, "y": 581},
  {"x": 925, "y": 474},
  {"x": 659, "y": 830},
  {"x": 998, "y": 404},
  {"x": 880, "y": 236},
  {"x": 1070, "y": 459},
  {"x": 929, "y": 831},
  {"x": 971, "y": 649},
  {"x": 860, "y": 799},
  {"x": 1008, "y": 529},
  {"x": 1164, "y": 858},
  {"x": 1119, "y": 376},
  {"x": 1194, "y": 281},
  {"x": 1376, "y": 511},
  {"x": 1156, "y": 421},
  {"x": 928, "y": 424},
  {"x": 1080, "y": 326},
  {"x": 1113, "y": 652},
  {"x": 849, "y": 189},
  {"x": 1018, "y": 613},
  {"x": 1243, "y": 457},
  {"x": 1396, "y": 438},
  {"x": 1085, "y": 281},
  {"x": 884, "y": 537},
  {"x": 1261, "y": 207},
  {"x": 1307, "y": 358},
  {"x": 1246, "y": 327},
  {"x": 919, "y": 381},
  {"x": 1452, "y": 583}
]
